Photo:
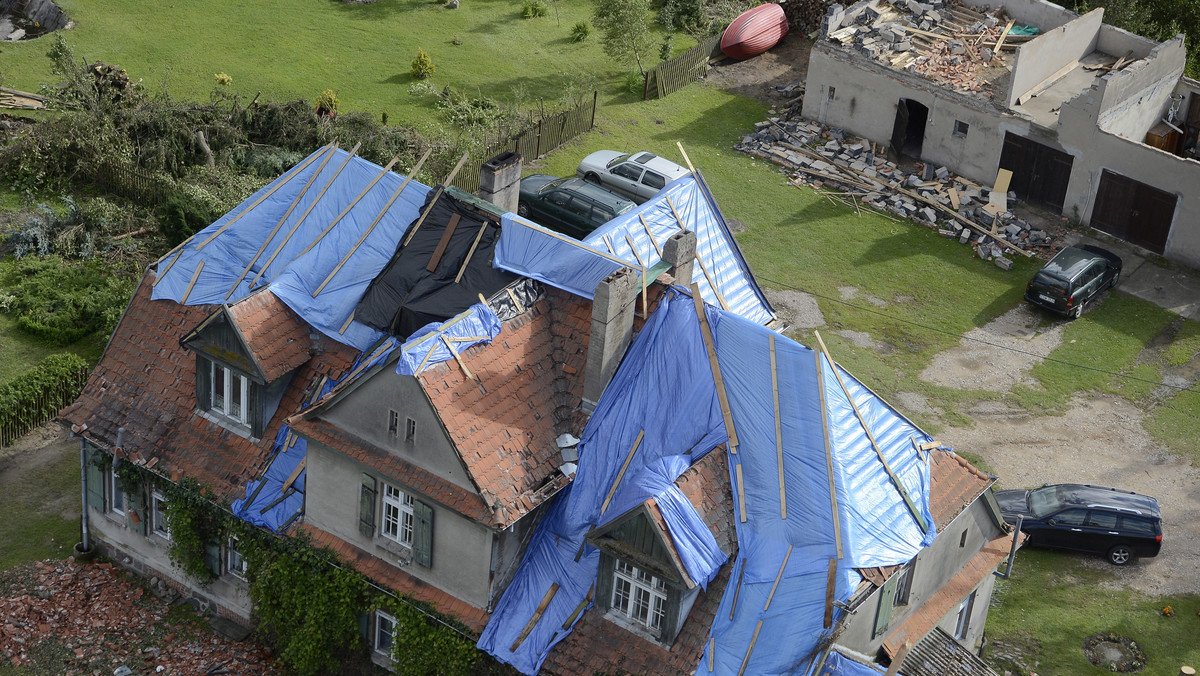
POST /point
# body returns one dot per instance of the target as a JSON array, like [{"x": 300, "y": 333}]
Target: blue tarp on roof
[
  {"x": 430, "y": 344},
  {"x": 782, "y": 562},
  {"x": 275, "y": 226},
  {"x": 838, "y": 664},
  {"x": 636, "y": 238}
]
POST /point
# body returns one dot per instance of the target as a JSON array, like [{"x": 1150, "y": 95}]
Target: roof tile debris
[
  {"x": 146, "y": 384},
  {"x": 277, "y": 337},
  {"x": 103, "y": 620}
]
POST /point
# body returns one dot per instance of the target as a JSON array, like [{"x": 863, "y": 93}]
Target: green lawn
[
  {"x": 1055, "y": 601},
  {"x": 47, "y": 499},
  {"x": 290, "y": 49}
]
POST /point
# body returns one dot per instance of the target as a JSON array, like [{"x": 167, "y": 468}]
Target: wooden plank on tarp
[
  {"x": 711, "y": 348},
  {"x": 537, "y": 615}
]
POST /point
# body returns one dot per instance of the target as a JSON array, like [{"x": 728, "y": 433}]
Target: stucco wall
[
  {"x": 1039, "y": 13},
  {"x": 462, "y": 549},
  {"x": 1135, "y": 98},
  {"x": 1119, "y": 42},
  {"x": 935, "y": 565},
  {"x": 365, "y": 412},
  {"x": 1046, "y": 54},
  {"x": 865, "y": 100}
]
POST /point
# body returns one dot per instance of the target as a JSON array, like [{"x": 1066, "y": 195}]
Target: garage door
[
  {"x": 1040, "y": 173},
  {"x": 1133, "y": 211}
]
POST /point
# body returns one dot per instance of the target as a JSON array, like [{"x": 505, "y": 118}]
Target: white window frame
[
  {"x": 962, "y": 622},
  {"x": 639, "y": 596},
  {"x": 398, "y": 520},
  {"x": 383, "y": 620},
  {"x": 234, "y": 562},
  {"x": 231, "y": 382},
  {"x": 115, "y": 492},
  {"x": 158, "y": 515}
]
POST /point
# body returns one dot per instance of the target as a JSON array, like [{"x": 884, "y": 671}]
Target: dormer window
[
  {"x": 230, "y": 392},
  {"x": 638, "y": 595}
]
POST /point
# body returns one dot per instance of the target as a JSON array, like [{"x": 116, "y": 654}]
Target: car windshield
[
  {"x": 551, "y": 186},
  {"x": 616, "y": 160},
  {"x": 1044, "y": 501}
]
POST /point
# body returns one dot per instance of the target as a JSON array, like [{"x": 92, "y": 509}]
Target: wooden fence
[
  {"x": 132, "y": 184},
  {"x": 674, "y": 74},
  {"x": 535, "y": 140},
  {"x": 39, "y": 411}
]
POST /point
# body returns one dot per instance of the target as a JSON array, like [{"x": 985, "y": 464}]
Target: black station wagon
[
  {"x": 571, "y": 206},
  {"x": 1121, "y": 525},
  {"x": 1073, "y": 278}
]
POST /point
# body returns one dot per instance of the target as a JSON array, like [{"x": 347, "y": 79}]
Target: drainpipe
[
  {"x": 1012, "y": 552},
  {"x": 87, "y": 544}
]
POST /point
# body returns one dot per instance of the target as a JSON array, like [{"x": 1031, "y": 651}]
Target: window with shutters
[
  {"x": 397, "y": 515},
  {"x": 397, "y": 522},
  {"x": 158, "y": 515},
  {"x": 385, "y": 629},
  {"x": 233, "y": 400},
  {"x": 116, "y": 497},
  {"x": 639, "y": 595}
]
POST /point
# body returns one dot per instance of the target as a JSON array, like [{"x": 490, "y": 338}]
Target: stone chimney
[
  {"x": 680, "y": 253},
  {"x": 500, "y": 180},
  {"x": 612, "y": 327}
]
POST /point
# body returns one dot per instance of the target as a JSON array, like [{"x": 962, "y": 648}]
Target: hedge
[{"x": 37, "y": 396}]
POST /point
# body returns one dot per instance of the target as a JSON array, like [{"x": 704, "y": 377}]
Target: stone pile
[
  {"x": 943, "y": 40},
  {"x": 855, "y": 169}
]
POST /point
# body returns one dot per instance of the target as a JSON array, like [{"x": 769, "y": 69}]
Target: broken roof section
[
  {"x": 635, "y": 239},
  {"x": 810, "y": 487}
]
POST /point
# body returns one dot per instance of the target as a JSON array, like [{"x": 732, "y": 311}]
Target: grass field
[{"x": 47, "y": 499}]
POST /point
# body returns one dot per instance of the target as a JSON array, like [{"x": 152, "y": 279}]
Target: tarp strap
[
  {"x": 833, "y": 506},
  {"x": 471, "y": 253},
  {"x": 830, "y": 586},
  {"x": 463, "y": 365},
  {"x": 579, "y": 608},
  {"x": 621, "y": 474},
  {"x": 311, "y": 179},
  {"x": 179, "y": 249},
  {"x": 195, "y": 276},
  {"x": 778, "y": 428},
  {"x": 650, "y": 234},
  {"x": 737, "y": 590},
  {"x": 278, "y": 184},
  {"x": 444, "y": 242},
  {"x": 912, "y": 507},
  {"x": 339, "y": 217},
  {"x": 266, "y": 266},
  {"x": 710, "y": 346},
  {"x": 537, "y": 615},
  {"x": 758, "y": 627}
]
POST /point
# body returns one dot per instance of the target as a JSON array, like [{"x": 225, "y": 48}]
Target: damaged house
[
  {"x": 597, "y": 455},
  {"x": 1092, "y": 121}
]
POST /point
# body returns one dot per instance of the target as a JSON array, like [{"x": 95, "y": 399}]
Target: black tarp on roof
[{"x": 406, "y": 295}]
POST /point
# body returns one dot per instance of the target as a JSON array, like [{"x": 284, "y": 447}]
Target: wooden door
[
  {"x": 1133, "y": 211},
  {"x": 1040, "y": 173}
]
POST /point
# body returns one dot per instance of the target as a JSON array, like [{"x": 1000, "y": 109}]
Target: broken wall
[
  {"x": 1137, "y": 97},
  {"x": 1039, "y": 13},
  {"x": 865, "y": 101},
  {"x": 461, "y": 548},
  {"x": 1119, "y": 42},
  {"x": 1042, "y": 57}
]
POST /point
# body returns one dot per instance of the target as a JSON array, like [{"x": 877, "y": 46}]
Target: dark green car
[
  {"x": 1073, "y": 278},
  {"x": 571, "y": 206}
]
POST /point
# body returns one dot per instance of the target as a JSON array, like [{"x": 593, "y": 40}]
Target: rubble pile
[
  {"x": 946, "y": 41},
  {"x": 855, "y": 169},
  {"x": 98, "y": 623}
]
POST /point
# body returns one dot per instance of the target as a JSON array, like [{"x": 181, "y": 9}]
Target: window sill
[
  {"x": 233, "y": 426},
  {"x": 638, "y": 628},
  {"x": 401, "y": 555}
]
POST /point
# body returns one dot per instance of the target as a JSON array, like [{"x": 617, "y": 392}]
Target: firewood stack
[{"x": 804, "y": 15}]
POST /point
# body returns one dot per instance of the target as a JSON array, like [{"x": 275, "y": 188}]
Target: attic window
[
  {"x": 639, "y": 595},
  {"x": 393, "y": 424},
  {"x": 229, "y": 392},
  {"x": 962, "y": 540},
  {"x": 832, "y": 91},
  {"x": 410, "y": 429}
]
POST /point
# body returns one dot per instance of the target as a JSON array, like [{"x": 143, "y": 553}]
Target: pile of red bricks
[{"x": 66, "y": 618}]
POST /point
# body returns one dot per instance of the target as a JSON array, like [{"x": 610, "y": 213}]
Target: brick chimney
[
  {"x": 680, "y": 253},
  {"x": 612, "y": 327},
  {"x": 500, "y": 180}
]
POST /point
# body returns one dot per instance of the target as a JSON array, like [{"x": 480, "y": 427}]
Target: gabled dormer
[{"x": 246, "y": 353}]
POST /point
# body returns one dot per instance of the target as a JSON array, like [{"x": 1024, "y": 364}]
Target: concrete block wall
[{"x": 1046, "y": 54}]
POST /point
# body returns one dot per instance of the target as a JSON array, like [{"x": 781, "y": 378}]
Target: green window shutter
[
  {"x": 212, "y": 557},
  {"x": 671, "y": 622},
  {"x": 886, "y": 594},
  {"x": 255, "y": 411},
  {"x": 604, "y": 581},
  {"x": 95, "y": 480},
  {"x": 423, "y": 534},
  {"x": 364, "y": 626},
  {"x": 136, "y": 500},
  {"x": 366, "y": 506},
  {"x": 203, "y": 383}
]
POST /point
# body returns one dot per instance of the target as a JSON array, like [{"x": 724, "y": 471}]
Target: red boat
[{"x": 755, "y": 31}]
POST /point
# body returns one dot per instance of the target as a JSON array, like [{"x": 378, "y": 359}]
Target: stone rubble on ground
[{"x": 827, "y": 157}]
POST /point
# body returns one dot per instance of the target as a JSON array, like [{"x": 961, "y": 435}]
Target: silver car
[{"x": 638, "y": 176}]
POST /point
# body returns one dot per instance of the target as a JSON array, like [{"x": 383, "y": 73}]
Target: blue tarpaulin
[
  {"x": 278, "y": 232},
  {"x": 783, "y": 562},
  {"x": 431, "y": 344},
  {"x": 838, "y": 664},
  {"x": 720, "y": 270}
]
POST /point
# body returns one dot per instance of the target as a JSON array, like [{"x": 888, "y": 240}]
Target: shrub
[
  {"x": 327, "y": 103},
  {"x": 635, "y": 82},
  {"x": 181, "y": 217},
  {"x": 61, "y": 302},
  {"x": 23, "y": 400},
  {"x": 422, "y": 65},
  {"x": 533, "y": 8},
  {"x": 580, "y": 31}
]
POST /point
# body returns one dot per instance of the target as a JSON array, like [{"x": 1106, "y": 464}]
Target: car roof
[
  {"x": 1070, "y": 262},
  {"x": 1085, "y": 495},
  {"x": 588, "y": 189},
  {"x": 659, "y": 164}
]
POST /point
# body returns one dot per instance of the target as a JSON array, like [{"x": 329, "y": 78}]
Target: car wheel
[
  {"x": 1116, "y": 278},
  {"x": 522, "y": 210},
  {"x": 1078, "y": 311},
  {"x": 1120, "y": 555},
  {"x": 591, "y": 177}
]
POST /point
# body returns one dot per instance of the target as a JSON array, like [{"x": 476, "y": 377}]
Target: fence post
[
  {"x": 537, "y": 148},
  {"x": 595, "y": 94}
]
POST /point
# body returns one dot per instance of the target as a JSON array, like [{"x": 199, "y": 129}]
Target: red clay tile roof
[
  {"x": 954, "y": 486},
  {"x": 389, "y": 464},
  {"x": 706, "y": 486},
  {"x": 146, "y": 383},
  {"x": 529, "y": 391},
  {"x": 925, "y": 618},
  {"x": 277, "y": 338},
  {"x": 396, "y": 579}
]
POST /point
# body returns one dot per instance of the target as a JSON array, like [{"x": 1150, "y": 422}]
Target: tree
[{"x": 626, "y": 28}]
